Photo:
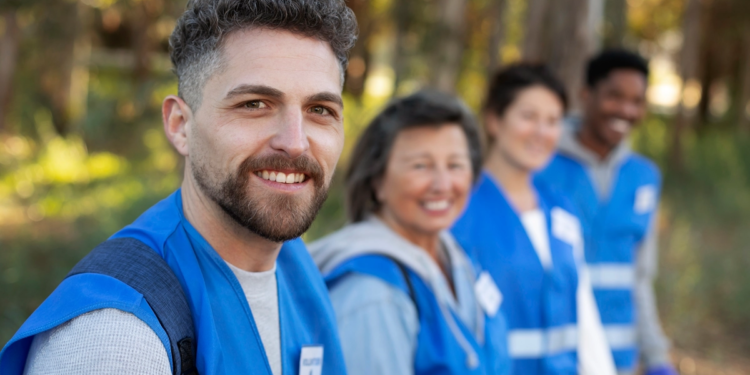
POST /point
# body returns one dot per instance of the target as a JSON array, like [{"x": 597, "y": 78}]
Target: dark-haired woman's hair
[
  {"x": 508, "y": 82},
  {"x": 369, "y": 159}
]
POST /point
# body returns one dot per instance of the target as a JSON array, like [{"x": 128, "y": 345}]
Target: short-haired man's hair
[
  {"x": 508, "y": 82},
  {"x": 369, "y": 160},
  {"x": 198, "y": 36},
  {"x": 601, "y": 65}
]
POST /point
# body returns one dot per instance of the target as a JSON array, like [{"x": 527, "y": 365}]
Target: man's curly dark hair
[{"x": 198, "y": 36}]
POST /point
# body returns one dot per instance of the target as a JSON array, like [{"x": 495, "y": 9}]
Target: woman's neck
[
  {"x": 514, "y": 180},
  {"x": 429, "y": 242}
]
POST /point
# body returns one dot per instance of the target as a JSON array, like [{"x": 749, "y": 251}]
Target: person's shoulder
[
  {"x": 101, "y": 341},
  {"x": 295, "y": 255},
  {"x": 643, "y": 162},
  {"x": 154, "y": 226},
  {"x": 556, "y": 197},
  {"x": 356, "y": 293},
  {"x": 560, "y": 168},
  {"x": 560, "y": 160},
  {"x": 644, "y": 166}
]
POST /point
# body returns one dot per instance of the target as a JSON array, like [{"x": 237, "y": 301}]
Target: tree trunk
[
  {"x": 8, "y": 57},
  {"x": 449, "y": 52},
  {"x": 62, "y": 68},
  {"x": 595, "y": 24},
  {"x": 401, "y": 13},
  {"x": 533, "y": 40},
  {"x": 688, "y": 70},
  {"x": 359, "y": 61},
  {"x": 142, "y": 43},
  {"x": 568, "y": 44},
  {"x": 616, "y": 25},
  {"x": 744, "y": 104},
  {"x": 496, "y": 14}
]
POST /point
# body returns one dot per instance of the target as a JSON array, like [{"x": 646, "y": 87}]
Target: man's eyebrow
[
  {"x": 326, "y": 97},
  {"x": 255, "y": 89}
]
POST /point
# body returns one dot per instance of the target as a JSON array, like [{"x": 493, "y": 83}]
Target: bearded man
[{"x": 259, "y": 120}]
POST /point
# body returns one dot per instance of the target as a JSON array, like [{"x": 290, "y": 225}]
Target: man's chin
[
  {"x": 615, "y": 139},
  {"x": 279, "y": 226},
  {"x": 280, "y": 217}
]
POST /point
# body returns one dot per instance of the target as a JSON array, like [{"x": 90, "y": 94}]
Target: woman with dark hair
[
  {"x": 528, "y": 236},
  {"x": 407, "y": 298}
]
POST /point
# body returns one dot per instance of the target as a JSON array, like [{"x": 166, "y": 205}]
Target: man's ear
[{"x": 176, "y": 115}]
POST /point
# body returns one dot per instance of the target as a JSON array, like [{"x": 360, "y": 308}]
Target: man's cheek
[{"x": 329, "y": 148}]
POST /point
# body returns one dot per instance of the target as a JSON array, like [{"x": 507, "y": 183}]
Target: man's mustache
[{"x": 302, "y": 164}]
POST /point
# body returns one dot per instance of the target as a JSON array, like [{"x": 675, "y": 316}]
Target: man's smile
[{"x": 281, "y": 177}]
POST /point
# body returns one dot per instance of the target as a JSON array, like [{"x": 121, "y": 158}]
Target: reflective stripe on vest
[
  {"x": 620, "y": 336},
  {"x": 611, "y": 276},
  {"x": 537, "y": 343}
]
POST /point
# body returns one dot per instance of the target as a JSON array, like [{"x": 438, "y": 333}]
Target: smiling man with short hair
[
  {"x": 617, "y": 194},
  {"x": 259, "y": 120}
]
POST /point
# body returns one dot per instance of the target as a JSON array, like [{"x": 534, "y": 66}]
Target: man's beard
[{"x": 276, "y": 217}]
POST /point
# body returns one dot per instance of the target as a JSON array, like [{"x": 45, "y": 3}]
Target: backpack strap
[
  {"x": 409, "y": 285},
  {"x": 143, "y": 269}
]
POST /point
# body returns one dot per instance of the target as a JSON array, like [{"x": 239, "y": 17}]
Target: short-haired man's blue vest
[
  {"x": 613, "y": 231},
  {"x": 540, "y": 305},
  {"x": 228, "y": 341}
]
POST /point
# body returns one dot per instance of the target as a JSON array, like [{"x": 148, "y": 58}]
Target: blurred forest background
[{"x": 82, "y": 152}]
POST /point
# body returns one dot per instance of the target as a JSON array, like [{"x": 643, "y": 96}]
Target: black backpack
[{"x": 134, "y": 263}]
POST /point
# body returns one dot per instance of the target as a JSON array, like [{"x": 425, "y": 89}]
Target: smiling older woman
[{"x": 406, "y": 297}]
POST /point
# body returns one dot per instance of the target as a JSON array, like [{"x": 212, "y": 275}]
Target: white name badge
[
  {"x": 488, "y": 295},
  {"x": 566, "y": 226},
  {"x": 645, "y": 199},
  {"x": 311, "y": 360}
]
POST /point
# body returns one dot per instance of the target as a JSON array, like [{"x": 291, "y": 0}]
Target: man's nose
[
  {"x": 290, "y": 137},
  {"x": 629, "y": 110}
]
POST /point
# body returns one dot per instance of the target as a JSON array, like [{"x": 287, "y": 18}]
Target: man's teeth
[
  {"x": 621, "y": 126},
  {"x": 436, "y": 205},
  {"x": 291, "y": 178}
]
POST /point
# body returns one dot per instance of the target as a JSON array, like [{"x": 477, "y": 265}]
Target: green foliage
[
  {"x": 74, "y": 172},
  {"x": 704, "y": 215}
]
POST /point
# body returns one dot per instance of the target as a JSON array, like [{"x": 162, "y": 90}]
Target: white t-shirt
[
  {"x": 261, "y": 293},
  {"x": 594, "y": 356},
  {"x": 535, "y": 224}
]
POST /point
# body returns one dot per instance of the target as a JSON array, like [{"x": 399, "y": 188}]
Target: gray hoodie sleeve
[
  {"x": 653, "y": 343},
  {"x": 106, "y": 341}
]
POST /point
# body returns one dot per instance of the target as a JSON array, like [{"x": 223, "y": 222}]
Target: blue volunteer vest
[
  {"x": 613, "y": 230},
  {"x": 227, "y": 338},
  {"x": 540, "y": 305},
  {"x": 438, "y": 351}
]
